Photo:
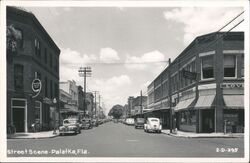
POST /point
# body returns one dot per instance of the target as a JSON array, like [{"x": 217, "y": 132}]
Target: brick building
[
  {"x": 36, "y": 57},
  {"x": 205, "y": 85}
]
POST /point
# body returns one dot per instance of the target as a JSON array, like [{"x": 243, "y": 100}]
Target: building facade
[
  {"x": 32, "y": 74},
  {"x": 205, "y": 85}
]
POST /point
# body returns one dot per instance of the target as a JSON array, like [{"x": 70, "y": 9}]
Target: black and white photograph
[{"x": 128, "y": 81}]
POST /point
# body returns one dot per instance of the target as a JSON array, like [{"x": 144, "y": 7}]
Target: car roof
[{"x": 153, "y": 118}]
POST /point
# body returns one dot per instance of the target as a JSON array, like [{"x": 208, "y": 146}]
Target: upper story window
[
  {"x": 242, "y": 66},
  {"x": 229, "y": 65},
  {"x": 45, "y": 56},
  {"x": 55, "y": 65},
  {"x": 207, "y": 67},
  {"x": 18, "y": 76},
  {"x": 19, "y": 33},
  {"x": 37, "y": 48},
  {"x": 50, "y": 60}
]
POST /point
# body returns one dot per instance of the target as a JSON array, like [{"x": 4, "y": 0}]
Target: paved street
[{"x": 118, "y": 140}]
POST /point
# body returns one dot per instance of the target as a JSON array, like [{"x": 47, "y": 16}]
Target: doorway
[
  {"x": 19, "y": 107},
  {"x": 207, "y": 121}
]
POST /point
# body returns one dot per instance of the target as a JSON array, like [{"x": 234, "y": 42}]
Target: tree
[
  {"x": 12, "y": 39},
  {"x": 116, "y": 111}
]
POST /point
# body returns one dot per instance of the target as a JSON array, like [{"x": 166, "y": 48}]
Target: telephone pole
[
  {"x": 141, "y": 103},
  {"x": 170, "y": 96},
  {"x": 84, "y": 72}
]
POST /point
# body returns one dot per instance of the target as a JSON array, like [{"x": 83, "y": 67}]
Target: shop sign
[
  {"x": 189, "y": 75},
  {"x": 232, "y": 85},
  {"x": 36, "y": 86},
  {"x": 46, "y": 100}
]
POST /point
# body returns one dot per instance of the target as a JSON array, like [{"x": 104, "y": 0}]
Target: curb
[
  {"x": 33, "y": 137},
  {"x": 183, "y": 136}
]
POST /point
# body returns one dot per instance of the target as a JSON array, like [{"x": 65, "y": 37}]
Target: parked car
[
  {"x": 70, "y": 126},
  {"x": 94, "y": 122},
  {"x": 130, "y": 121},
  {"x": 86, "y": 124},
  {"x": 139, "y": 122},
  {"x": 152, "y": 124}
]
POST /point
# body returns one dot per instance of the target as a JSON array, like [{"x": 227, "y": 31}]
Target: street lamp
[{"x": 84, "y": 72}]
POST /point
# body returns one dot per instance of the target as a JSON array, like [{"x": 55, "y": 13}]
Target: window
[
  {"x": 242, "y": 66},
  {"x": 55, "y": 89},
  {"x": 19, "y": 33},
  {"x": 229, "y": 66},
  {"x": 38, "y": 111},
  {"x": 37, "y": 48},
  {"x": 50, "y": 60},
  {"x": 55, "y": 65},
  {"x": 18, "y": 76},
  {"x": 51, "y": 90},
  {"x": 45, "y": 56},
  {"x": 46, "y": 87},
  {"x": 207, "y": 67}
]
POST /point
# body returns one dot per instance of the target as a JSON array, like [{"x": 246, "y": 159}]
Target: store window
[
  {"x": 207, "y": 67},
  {"x": 38, "y": 112},
  {"x": 229, "y": 66},
  {"x": 18, "y": 76},
  {"x": 188, "y": 117}
]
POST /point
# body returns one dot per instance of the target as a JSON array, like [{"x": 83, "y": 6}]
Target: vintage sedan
[
  {"x": 86, "y": 124},
  {"x": 139, "y": 122},
  {"x": 70, "y": 126},
  {"x": 153, "y": 124}
]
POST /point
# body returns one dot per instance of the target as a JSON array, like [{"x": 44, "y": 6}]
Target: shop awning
[
  {"x": 204, "y": 102},
  {"x": 183, "y": 104},
  {"x": 234, "y": 101}
]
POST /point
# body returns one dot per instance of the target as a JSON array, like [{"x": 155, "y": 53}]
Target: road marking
[{"x": 132, "y": 140}]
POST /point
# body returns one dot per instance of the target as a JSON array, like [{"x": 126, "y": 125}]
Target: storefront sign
[
  {"x": 36, "y": 87},
  {"x": 232, "y": 85},
  {"x": 46, "y": 100},
  {"x": 189, "y": 75}
]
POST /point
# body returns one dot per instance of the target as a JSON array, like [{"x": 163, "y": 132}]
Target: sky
[{"x": 126, "y": 47}]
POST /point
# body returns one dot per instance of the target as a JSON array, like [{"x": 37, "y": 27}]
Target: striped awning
[
  {"x": 183, "y": 104},
  {"x": 234, "y": 101},
  {"x": 204, "y": 102}
]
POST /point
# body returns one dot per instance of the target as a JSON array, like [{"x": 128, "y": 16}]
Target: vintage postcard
[{"x": 124, "y": 81}]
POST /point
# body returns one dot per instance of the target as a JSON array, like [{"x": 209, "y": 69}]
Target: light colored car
[
  {"x": 70, "y": 126},
  {"x": 130, "y": 121},
  {"x": 152, "y": 124}
]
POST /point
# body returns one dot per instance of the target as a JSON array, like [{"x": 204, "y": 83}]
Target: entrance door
[
  {"x": 18, "y": 119},
  {"x": 208, "y": 120}
]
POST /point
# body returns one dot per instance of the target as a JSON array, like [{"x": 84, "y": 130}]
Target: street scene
[
  {"x": 125, "y": 82},
  {"x": 120, "y": 140}
]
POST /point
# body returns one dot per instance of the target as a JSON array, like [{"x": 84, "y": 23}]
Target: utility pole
[
  {"x": 141, "y": 103},
  {"x": 95, "y": 101},
  {"x": 170, "y": 96},
  {"x": 84, "y": 72}
]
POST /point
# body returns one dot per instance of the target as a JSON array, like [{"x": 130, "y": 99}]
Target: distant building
[
  {"x": 130, "y": 106},
  {"x": 206, "y": 85},
  {"x": 139, "y": 103},
  {"x": 71, "y": 88},
  {"x": 32, "y": 74}
]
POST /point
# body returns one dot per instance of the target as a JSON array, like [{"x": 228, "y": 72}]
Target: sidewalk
[
  {"x": 203, "y": 135},
  {"x": 36, "y": 135}
]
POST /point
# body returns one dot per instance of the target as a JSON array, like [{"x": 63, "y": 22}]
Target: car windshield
[
  {"x": 154, "y": 120},
  {"x": 72, "y": 121},
  {"x": 140, "y": 120}
]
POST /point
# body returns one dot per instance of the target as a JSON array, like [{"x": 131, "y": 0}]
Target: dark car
[
  {"x": 70, "y": 126},
  {"x": 139, "y": 122},
  {"x": 86, "y": 124}
]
